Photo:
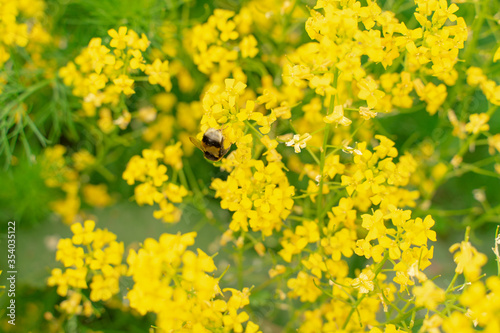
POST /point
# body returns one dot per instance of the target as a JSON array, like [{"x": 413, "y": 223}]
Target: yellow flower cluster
[
  {"x": 20, "y": 26},
  {"x": 175, "y": 284},
  {"x": 345, "y": 242},
  {"x": 341, "y": 42},
  {"x": 259, "y": 194},
  {"x": 372, "y": 179},
  {"x": 153, "y": 178},
  {"x": 482, "y": 301},
  {"x": 222, "y": 106},
  {"x": 217, "y": 44},
  {"x": 476, "y": 77},
  {"x": 102, "y": 76},
  {"x": 66, "y": 175},
  {"x": 16, "y": 33},
  {"x": 89, "y": 256}
]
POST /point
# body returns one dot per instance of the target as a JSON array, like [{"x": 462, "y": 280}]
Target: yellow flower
[
  {"x": 366, "y": 113},
  {"x": 469, "y": 261},
  {"x": 72, "y": 304},
  {"x": 67, "y": 208},
  {"x": 279, "y": 269},
  {"x": 83, "y": 235},
  {"x": 315, "y": 264},
  {"x": 58, "y": 279},
  {"x": 124, "y": 84},
  {"x": 333, "y": 166},
  {"x": 433, "y": 95},
  {"x": 147, "y": 114},
  {"x": 97, "y": 195},
  {"x": 432, "y": 324},
  {"x": 102, "y": 289},
  {"x": 135, "y": 171},
  {"x": 478, "y": 122},
  {"x": 158, "y": 73},
  {"x": 457, "y": 322},
  {"x": 168, "y": 212},
  {"x": 184, "y": 289},
  {"x": 68, "y": 254},
  {"x": 102, "y": 260},
  {"x": 145, "y": 193},
  {"x": 303, "y": 286},
  {"x": 173, "y": 156},
  {"x": 364, "y": 282},
  {"x": 175, "y": 193},
  {"x": 428, "y": 295},
  {"x": 248, "y": 47},
  {"x": 369, "y": 92},
  {"x": 123, "y": 120},
  {"x": 105, "y": 121},
  {"x": 83, "y": 159},
  {"x": 341, "y": 243},
  {"x": 494, "y": 143},
  {"x": 299, "y": 141},
  {"x": 120, "y": 39}
]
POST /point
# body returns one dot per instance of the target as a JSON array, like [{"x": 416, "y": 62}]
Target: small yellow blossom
[
  {"x": 173, "y": 156},
  {"x": 124, "y": 84},
  {"x": 158, "y": 73},
  {"x": 364, "y": 282},
  {"x": 82, "y": 159},
  {"x": 337, "y": 116},
  {"x": 496, "y": 56},
  {"x": 299, "y": 141},
  {"x": 477, "y": 123},
  {"x": 469, "y": 260},
  {"x": 120, "y": 38},
  {"x": 90, "y": 252},
  {"x": 428, "y": 295},
  {"x": 123, "y": 121},
  {"x": 97, "y": 195},
  {"x": 248, "y": 47},
  {"x": 369, "y": 92}
]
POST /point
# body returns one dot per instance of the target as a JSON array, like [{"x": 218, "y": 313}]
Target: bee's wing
[
  {"x": 196, "y": 142},
  {"x": 224, "y": 151}
]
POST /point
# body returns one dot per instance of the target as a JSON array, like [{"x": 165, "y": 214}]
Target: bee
[{"x": 212, "y": 144}]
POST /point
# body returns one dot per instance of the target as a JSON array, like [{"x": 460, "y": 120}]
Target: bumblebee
[{"x": 212, "y": 144}]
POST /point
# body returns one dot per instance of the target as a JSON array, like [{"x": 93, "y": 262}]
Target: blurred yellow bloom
[
  {"x": 248, "y": 47},
  {"x": 478, "y": 122},
  {"x": 97, "y": 195},
  {"x": 82, "y": 159},
  {"x": 364, "y": 282},
  {"x": 428, "y": 295},
  {"x": 469, "y": 261}
]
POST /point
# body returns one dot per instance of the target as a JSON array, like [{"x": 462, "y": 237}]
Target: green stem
[
  {"x": 259, "y": 134},
  {"x": 182, "y": 178},
  {"x": 315, "y": 158},
  {"x": 323, "y": 153},
  {"x": 452, "y": 283},
  {"x": 192, "y": 179},
  {"x": 476, "y": 29},
  {"x": 239, "y": 259}
]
